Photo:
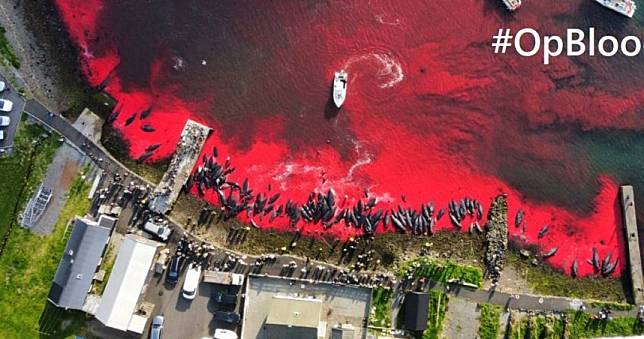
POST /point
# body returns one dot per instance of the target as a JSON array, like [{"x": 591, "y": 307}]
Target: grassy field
[
  {"x": 28, "y": 266},
  {"x": 543, "y": 279},
  {"x": 6, "y": 51},
  {"x": 22, "y": 172},
  {"x": 489, "y": 321},
  {"x": 380, "y": 315},
  {"x": 441, "y": 271},
  {"x": 571, "y": 325},
  {"x": 437, "y": 305}
]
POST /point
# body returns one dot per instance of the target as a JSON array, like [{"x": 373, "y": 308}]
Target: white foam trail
[
  {"x": 380, "y": 19},
  {"x": 390, "y": 67},
  {"x": 285, "y": 170},
  {"x": 364, "y": 159}
]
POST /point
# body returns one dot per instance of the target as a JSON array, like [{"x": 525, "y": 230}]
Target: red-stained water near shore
[{"x": 431, "y": 113}]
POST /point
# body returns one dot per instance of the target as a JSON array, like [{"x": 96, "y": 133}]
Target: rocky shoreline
[{"x": 49, "y": 68}]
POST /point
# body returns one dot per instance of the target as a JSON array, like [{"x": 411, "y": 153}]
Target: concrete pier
[
  {"x": 632, "y": 241},
  {"x": 185, "y": 157}
]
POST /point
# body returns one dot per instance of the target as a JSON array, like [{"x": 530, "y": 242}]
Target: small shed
[
  {"x": 223, "y": 278},
  {"x": 416, "y": 311}
]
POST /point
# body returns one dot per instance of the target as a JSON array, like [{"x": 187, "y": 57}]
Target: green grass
[
  {"x": 28, "y": 267},
  {"x": 537, "y": 327},
  {"x": 543, "y": 279},
  {"x": 60, "y": 323},
  {"x": 441, "y": 271},
  {"x": 22, "y": 171},
  {"x": 572, "y": 325},
  {"x": 581, "y": 325},
  {"x": 489, "y": 321},
  {"x": 437, "y": 302},
  {"x": 6, "y": 51},
  {"x": 380, "y": 308},
  {"x": 107, "y": 265},
  {"x": 612, "y": 305}
]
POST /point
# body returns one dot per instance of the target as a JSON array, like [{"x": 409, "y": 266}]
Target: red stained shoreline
[{"x": 404, "y": 160}]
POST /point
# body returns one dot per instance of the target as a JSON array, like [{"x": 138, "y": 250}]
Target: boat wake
[{"x": 389, "y": 69}]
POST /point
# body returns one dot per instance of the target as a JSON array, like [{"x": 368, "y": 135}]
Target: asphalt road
[
  {"x": 11, "y": 94},
  {"x": 63, "y": 127}
]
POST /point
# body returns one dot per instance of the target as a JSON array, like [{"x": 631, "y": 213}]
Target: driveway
[
  {"x": 11, "y": 94},
  {"x": 189, "y": 319}
]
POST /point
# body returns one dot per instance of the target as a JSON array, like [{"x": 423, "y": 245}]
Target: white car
[
  {"x": 3, "y": 86},
  {"x": 189, "y": 289},
  {"x": 4, "y": 121},
  {"x": 157, "y": 326},
  {"x": 162, "y": 232},
  {"x": 6, "y": 105},
  {"x": 221, "y": 333},
  {"x": 1, "y": 135}
]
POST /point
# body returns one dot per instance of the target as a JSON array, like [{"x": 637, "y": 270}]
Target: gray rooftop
[{"x": 78, "y": 265}]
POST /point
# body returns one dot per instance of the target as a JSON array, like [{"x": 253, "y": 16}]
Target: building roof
[
  {"x": 295, "y": 312},
  {"x": 78, "y": 265},
  {"x": 416, "y": 311},
  {"x": 126, "y": 282},
  {"x": 107, "y": 221},
  {"x": 345, "y": 331}
]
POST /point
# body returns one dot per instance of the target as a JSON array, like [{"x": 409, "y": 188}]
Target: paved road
[
  {"x": 63, "y": 127},
  {"x": 11, "y": 94},
  {"x": 110, "y": 165}
]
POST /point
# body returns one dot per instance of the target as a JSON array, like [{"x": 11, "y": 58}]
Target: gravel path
[{"x": 461, "y": 319}]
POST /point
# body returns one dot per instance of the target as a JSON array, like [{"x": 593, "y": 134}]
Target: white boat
[
  {"x": 339, "y": 88},
  {"x": 625, "y": 7},
  {"x": 512, "y": 5}
]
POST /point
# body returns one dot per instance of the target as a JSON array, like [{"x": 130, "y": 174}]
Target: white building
[{"x": 126, "y": 283}]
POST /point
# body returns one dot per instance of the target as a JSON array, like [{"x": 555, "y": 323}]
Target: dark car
[
  {"x": 226, "y": 299},
  {"x": 174, "y": 270},
  {"x": 228, "y": 317}
]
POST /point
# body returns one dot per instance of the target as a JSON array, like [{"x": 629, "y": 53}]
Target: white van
[{"x": 189, "y": 290}]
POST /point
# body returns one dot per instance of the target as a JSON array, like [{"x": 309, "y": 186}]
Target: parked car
[
  {"x": 3, "y": 86},
  {"x": 222, "y": 333},
  {"x": 6, "y": 105},
  {"x": 190, "y": 285},
  {"x": 228, "y": 317},
  {"x": 4, "y": 121},
  {"x": 226, "y": 299},
  {"x": 1, "y": 135},
  {"x": 157, "y": 326},
  {"x": 161, "y": 232},
  {"x": 161, "y": 262},
  {"x": 174, "y": 269}
]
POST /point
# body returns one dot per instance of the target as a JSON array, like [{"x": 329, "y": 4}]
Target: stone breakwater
[{"x": 496, "y": 237}]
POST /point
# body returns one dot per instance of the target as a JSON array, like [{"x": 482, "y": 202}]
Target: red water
[{"x": 431, "y": 113}]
